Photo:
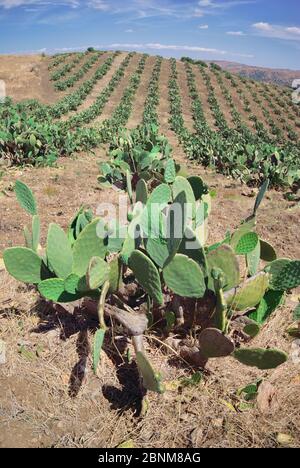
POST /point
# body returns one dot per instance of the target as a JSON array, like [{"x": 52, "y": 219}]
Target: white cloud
[
  {"x": 291, "y": 33},
  {"x": 8, "y": 4},
  {"x": 235, "y": 33},
  {"x": 129, "y": 31},
  {"x": 203, "y": 26},
  {"x": 176, "y": 47}
]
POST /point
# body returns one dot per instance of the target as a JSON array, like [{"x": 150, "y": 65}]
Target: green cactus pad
[
  {"x": 87, "y": 246},
  {"x": 141, "y": 192},
  {"x": 158, "y": 251},
  {"x": 23, "y": 264},
  {"x": 184, "y": 277},
  {"x": 161, "y": 195},
  {"x": 247, "y": 243},
  {"x": 151, "y": 380},
  {"x": 59, "y": 252},
  {"x": 250, "y": 293},
  {"x": 260, "y": 358},
  {"x": 252, "y": 329},
  {"x": 127, "y": 249},
  {"x": 253, "y": 260},
  {"x": 269, "y": 303},
  {"x": 115, "y": 275},
  {"x": 198, "y": 186},
  {"x": 25, "y": 198},
  {"x": 28, "y": 238},
  {"x": 36, "y": 230},
  {"x": 223, "y": 257},
  {"x": 244, "y": 228},
  {"x": 176, "y": 223},
  {"x": 170, "y": 171},
  {"x": 285, "y": 274},
  {"x": 97, "y": 347},
  {"x": 191, "y": 247},
  {"x": 267, "y": 252},
  {"x": 71, "y": 284},
  {"x": 214, "y": 344},
  {"x": 129, "y": 185},
  {"x": 98, "y": 273},
  {"x": 180, "y": 185},
  {"x": 53, "y": 289},
  {"x": 146, "y": 274}
]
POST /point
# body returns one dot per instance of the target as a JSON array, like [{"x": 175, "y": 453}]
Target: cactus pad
[
  {"x": 267, "y": 252},
  {"x": 23, "y": 264},
  {"x": 250, "y": 293},
  {"x": 59, "y": 252},
  {"x": 247, "y": 243},
  {"x": 170, "y": 171},
  {"x": 146, "y": 274},
  {"x": 261, "y": 358},
  {"x": 269, "y": 303},
  {"x": 115, "y": 274},
  {"x": 223, "y": 258},
  {"x": 25, "y": 198},
  {"x": 36, "y": 229},
  {"x": 285, "y": 274},
  {"x": 184, "y": 277},
  {"x": 98, "y": 273},
  {"x": 151, "y": 380},
  {"x": 252, "y": 329},
  {"x": 198, "y": 186},
  {"x": 160, "y": 195},
  {"x": 87, "y": 246},
  {"x": 53, "y": 289},
  {"x": 141, "y": 192},
  {"x": 214, "y": 344},
  {"x": 253, "y": 260},
  {"x": 158, "y": 251}
]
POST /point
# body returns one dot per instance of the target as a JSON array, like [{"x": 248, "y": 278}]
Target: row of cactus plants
[{"x": 158, "y": 269}]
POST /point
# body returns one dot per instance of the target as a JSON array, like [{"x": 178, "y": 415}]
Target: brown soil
[
  {"x": 117, "y": 94},
  {"x": 136, "y": 116},
  {"x": 27, "y": 77},
  {"x": 49, "y": 396}
]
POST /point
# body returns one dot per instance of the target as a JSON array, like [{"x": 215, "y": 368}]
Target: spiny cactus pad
[
  {"x": 141, "y": 192},
  {"x": 176, "y": 223},
  {"x": 250, "y": 293},
  {"x": 192, "y": 248},
  {"x": 87, "y": 246},
  {"x": 161, "y": 195},
  {"x": 285, "y": 275},
  {"x": 198, "y": 186},
  {"x": 253, "y": 260},
  {"x": 146, "y": 274},
  {"x": 158, "y": 251},
  {"x": 72, "y": 283},
  {"x": 151, "y": 380},
  {"x": 247, "y": 243},
  {"x": 180, "y": 185},
  {"x": 243, "y": 229},
  {"x": 36, "y": 229},
  {"x": 214, "y": 344},
  {"x": 25, "y": 197},
  {"x": 98, "y": 273},
  {"x": 53, "y": 289},
  {"x": 23, "y": 264},
  {"x": 115, "y": 274},
  {"x": 223, "y": 258},
  {"x": 184, "y": 277},
  {"x": 59, "y": 252},
  {"x": 267, "y": 252},
  {"x": 269, "y": 303},
  {"x": 260, "y": 358},
  {"x": 170, "y": 171}
]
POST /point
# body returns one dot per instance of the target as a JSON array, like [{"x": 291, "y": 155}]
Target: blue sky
[{"x": 256, "y": 32}]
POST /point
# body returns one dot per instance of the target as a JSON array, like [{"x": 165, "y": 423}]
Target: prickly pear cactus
[
  {"x": 261, "y": 358},
  {"x": 146, "y": 274},
  {"x": 59, "y": 251},
  {"x": 23, "y": 264},
  {"x": 184, "y": 277}
]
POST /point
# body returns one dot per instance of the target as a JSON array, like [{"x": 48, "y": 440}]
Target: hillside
[
  {"x": 282, "y": 77},
  {"x": 67, "y": 146}
]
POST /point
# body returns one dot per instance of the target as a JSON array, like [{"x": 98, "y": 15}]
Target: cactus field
[{"x": 149, "y": 255}]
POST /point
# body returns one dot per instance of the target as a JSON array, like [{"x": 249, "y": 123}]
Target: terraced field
[{"x": 234, "y": 133}]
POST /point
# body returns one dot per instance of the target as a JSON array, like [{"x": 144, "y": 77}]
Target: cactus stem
[{"x": 101, "y": 305}]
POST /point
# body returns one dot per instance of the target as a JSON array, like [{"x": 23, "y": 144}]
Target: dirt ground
[{"x": 49, "y": 395}]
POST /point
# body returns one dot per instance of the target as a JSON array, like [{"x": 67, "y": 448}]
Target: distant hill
[{"x": 283, "y": 77}]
